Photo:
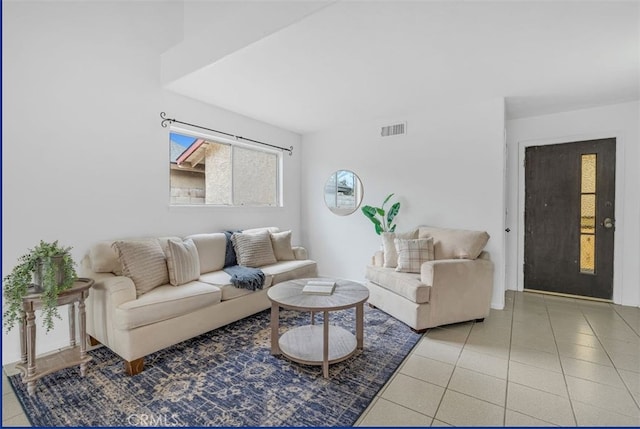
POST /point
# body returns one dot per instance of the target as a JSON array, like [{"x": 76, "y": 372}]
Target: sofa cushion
[
  {"x": 253, "y": 249},
  {"x": 211, "y": 250},
  {"x": 281, "y": 242},
  {"x": 288, "y": 270},
  {"x": 182, "y": 261},
  {"x": 407, "y": 285},
  {"x": 104, "y": 258},
  {"x": 389, "y": 247},
  {"x": 165, "y": 302},
  {"x": 412, "y": 253},
  {"x": 222, "y": 280},
  {"x": 455, "y": 243},
  {"x": 144, "y": 262}
]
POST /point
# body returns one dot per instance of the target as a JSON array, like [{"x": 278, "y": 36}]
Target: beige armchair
[{"x": 453, "y": 285}]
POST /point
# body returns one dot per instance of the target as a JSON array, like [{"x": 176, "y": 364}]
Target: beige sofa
[
  {"x": 135, "y": 322},
  {"x": 450, "y": 282}
]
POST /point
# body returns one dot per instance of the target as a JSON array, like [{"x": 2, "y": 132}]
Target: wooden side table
[{"x": 34, "y": 368}]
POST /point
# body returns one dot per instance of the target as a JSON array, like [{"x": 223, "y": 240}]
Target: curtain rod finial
[{"x": 165, "y": 120}]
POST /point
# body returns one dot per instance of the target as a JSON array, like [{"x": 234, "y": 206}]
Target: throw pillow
[
  {"x": 144, "y": 262},
  {"x": 389, "y": 247},
  {"x": 412, "y": 253},
  {"x": 281, "y": 242},
  {"x": 253, "y": 250},
  {"x": 183, "y": 261}
]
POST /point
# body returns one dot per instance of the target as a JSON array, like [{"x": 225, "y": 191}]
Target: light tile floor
[{"x": 543, "y": 361}]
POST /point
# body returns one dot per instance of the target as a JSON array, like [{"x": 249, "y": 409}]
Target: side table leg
[
  {"x": 72, "y": 324},
  {"x": 360, "y": 326},
  {"x": 31, "y": 350},
  {"x": 325, "y": 345},
  {"x": 83, "y": 333},
  {"x": 23, "y": 337},
  {"x": 275, "y": 328}
]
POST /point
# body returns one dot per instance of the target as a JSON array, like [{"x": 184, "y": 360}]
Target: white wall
[
  {"x": 82, "y": 136},
  {"x": 621, "y": 121},
  {"x": 447, "y": 171}
]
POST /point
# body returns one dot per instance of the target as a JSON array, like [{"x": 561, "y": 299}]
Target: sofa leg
[
  {"x": 420, "y": 331},
  {"x": 134, "y": 367},
  {"x": 92, "y": 341},
  {"x": 479, "y": 320},
  {"x": 371, "y": 305}
]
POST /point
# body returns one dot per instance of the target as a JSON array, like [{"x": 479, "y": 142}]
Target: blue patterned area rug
[{"x": 226, "y": 377}]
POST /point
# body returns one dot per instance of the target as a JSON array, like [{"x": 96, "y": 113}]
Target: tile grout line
[
  {"x": 455, "y": 365},
  {"x": 506, "y": 387},
  {"x": 615, "y": 367},
  {"x": 564, "y": 375}
]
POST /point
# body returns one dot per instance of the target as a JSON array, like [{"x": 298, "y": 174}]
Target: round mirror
[{"x": 343, "y": 192}]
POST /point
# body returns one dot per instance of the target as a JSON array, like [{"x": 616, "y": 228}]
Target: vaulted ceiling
[{"x": 336, "y": 63}]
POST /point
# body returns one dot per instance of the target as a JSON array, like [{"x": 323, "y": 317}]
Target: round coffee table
[{"x": 313, "y": 344}]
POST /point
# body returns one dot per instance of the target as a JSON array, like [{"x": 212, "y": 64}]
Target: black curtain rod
[{"x": 166, "y": 120}]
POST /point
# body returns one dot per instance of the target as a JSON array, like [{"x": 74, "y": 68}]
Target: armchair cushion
[
  {"x": 455, "y": 243},
  {"x": 408, "y": 285},
  {"x": 412, "y": 253}
]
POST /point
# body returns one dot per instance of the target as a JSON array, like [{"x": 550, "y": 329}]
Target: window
[{"x": 211, "y": 171}]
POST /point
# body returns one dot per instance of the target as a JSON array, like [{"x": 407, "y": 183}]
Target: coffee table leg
[
  {"x": 325, "y": 345},
  {"x": 360, "y": 325},
  {"x": 275, "y": 328}
]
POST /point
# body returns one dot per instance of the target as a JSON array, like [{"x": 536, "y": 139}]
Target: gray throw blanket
[
  {"x": 241, "y": 277},
  {"x": 245, "y": 277}
]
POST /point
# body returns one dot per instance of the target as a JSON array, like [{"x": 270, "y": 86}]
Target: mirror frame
[{"x": 357, "y": 190}]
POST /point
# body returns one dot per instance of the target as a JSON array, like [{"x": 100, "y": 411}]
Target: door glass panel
[
  {"x": 588, "y": 214},
  {"x": 589, "y": 173},
  {"x": 587, "y": 253}
]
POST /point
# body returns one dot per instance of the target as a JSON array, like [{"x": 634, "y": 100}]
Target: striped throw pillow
[
  {"x": 253, "y": 250},
  {"x": 183, "y": 261},
  {"x": 412, "y": 253},
  {"x": 143, "y": 261}
]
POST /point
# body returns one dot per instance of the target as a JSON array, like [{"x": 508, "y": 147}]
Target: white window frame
[{"x": 233, "y": 142}]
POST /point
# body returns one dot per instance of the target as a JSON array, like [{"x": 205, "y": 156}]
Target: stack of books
[{"x": 319, "y": 287}]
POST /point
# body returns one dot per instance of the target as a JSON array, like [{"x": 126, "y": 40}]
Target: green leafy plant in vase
[
  {"x": 382, "y": 219},
  {"x": 47, "y": 269}
]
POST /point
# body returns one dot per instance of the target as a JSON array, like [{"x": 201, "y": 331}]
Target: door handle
[{"x": 608, "y": 223}]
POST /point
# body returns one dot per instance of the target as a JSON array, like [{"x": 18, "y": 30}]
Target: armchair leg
[{"x": 134, "y": 367}]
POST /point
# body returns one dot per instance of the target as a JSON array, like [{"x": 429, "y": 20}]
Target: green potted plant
[
  {"x": 47, "y": 269},
  {"x": 382, "y": 220}
]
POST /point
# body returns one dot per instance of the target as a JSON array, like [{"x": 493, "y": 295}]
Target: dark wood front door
[{"x": 569, "y": 218}]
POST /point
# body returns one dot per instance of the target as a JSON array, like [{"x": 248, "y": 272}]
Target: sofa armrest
[
  {"x": 377, "y": 260},
  {"x": 461, "y": 289},
  {"x": 300, "y": 253},
  {"x": 108, "y": 292}
]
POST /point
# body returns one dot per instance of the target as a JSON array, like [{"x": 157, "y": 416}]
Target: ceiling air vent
[{"x": 394, "y": 130}]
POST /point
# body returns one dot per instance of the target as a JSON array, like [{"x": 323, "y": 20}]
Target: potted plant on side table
[{"x": 47, "y": 269}]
